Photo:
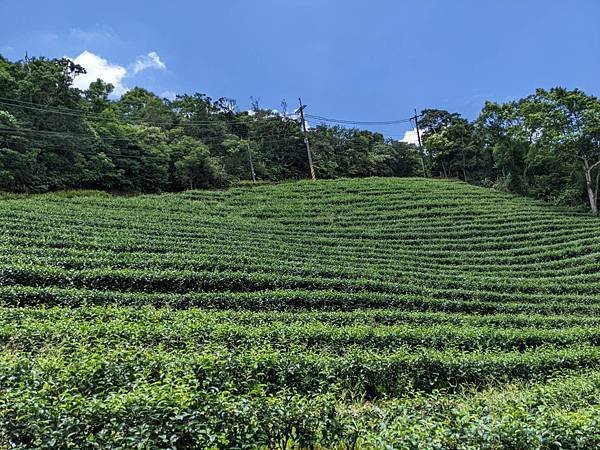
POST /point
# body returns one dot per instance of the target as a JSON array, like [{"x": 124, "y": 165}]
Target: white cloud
[
  {"x": 149, "y": 61},
  {"x": 410, "y": 137},
  {"x": 98, "y": 67}
]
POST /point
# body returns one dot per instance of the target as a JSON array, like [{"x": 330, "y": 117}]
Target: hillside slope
[{"x": 299, "y": 313}]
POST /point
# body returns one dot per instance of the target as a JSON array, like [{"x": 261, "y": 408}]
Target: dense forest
[{"x": 54, "y": 136}]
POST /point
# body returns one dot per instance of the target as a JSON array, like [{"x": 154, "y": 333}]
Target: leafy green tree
[
  {"x": 566, "y": 129},
  {"x": 328, "y": 146},
  {"x": 396, "y": 159},
  {"x": 451, "y": 144},
  {"x": 279, "y": 147},
  {"x": 433, "y": 121},
  {"x": 236, "y": 160},
  {"x": 203, "y": 120},
  {"x": 97, "y": 96},
  {"x": 502, "y": 137},
  {"x": 197, "y": 169},
  {"x": 141, "y": 106},
  {"x": 21, "y": 171}
]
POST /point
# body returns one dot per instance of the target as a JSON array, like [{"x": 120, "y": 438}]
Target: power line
[
  {"x": 271, "y": 138},
  {"x": 87, "y": 114},
  {"x": 115, "y": 155},
  {"x": 358, "y": 122},
  {"x": 264, "y": 139},
  {"x": 80, "y": 112}
]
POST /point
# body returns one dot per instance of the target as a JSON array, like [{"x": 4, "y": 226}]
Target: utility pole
[
  {"x": 416, "y": 119},
  {"x": 251, "y": 163},
  {"x": 310, "y": 162}
]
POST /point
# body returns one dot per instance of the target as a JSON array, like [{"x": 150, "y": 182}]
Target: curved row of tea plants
[{"x": 377, "y": 313}]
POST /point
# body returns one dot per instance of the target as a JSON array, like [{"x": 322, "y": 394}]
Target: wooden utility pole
[
  {"x": 416, "y": 119},
  {"x": 310, "y": 162},
  {"x": 251, "y": 163}
]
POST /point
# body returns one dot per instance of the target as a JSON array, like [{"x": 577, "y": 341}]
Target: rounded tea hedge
[{"x": 346, "y": 314}]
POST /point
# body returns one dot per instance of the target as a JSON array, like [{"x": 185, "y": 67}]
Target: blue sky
[{"x": 349, "y": 59}]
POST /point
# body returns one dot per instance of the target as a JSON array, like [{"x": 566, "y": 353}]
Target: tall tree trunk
[
  {"x": 591, "y": 190},
  {"x": 593, "y": 200}
]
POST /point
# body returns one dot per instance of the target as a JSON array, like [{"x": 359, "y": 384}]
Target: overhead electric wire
[
  {"x": 267, "y": 138},
  {"x": 270, "y": 138},
  {"x": 127, "y": 120},
  {"x": 87, "y": 114},
  {"x": 79, "y": 113},
  {"x": 358, "y": 122}
]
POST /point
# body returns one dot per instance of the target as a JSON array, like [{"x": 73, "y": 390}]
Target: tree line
[
  {"x": 546, "y": 145},
  {"x": 54, "y": 136}
]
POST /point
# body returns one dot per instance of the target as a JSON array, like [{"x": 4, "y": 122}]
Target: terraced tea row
[
  {"x": 559, "y": 413},
  {"x": 449, "y": 301},
  {"x": 338, "y": 314},
  {"x": 336, "y": 333}
]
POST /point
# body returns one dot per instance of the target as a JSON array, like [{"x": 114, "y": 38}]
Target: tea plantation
[{"x": 347, "y": 314}]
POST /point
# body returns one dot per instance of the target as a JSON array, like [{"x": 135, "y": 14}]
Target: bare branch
[{"x": 594, "y": 165}]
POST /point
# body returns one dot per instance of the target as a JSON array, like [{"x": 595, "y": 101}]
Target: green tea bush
[{"x": 346, "y": 314}]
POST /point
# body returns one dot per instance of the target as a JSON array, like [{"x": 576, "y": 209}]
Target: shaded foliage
[
  {"x": 53, "y": 136},
  {"x": 545, "y": 145}
]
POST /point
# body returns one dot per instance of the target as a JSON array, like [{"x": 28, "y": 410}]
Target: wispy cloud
[
  {"x": 6, "y": 49},
  {"x": 98, "y": 35},
  {"x": 149, "y": 61},
  {"x": 49, "y": 39},
  {"x": 170, "y": 95}
]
